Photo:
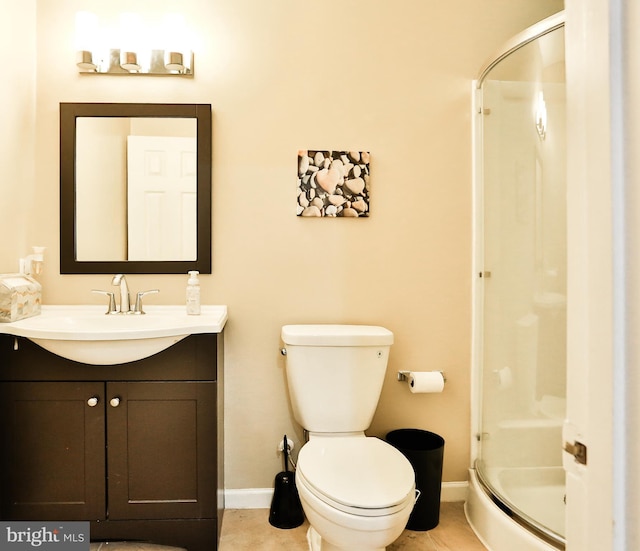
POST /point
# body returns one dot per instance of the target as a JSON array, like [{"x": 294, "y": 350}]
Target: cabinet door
[
  {"x": 161, "y": 450},
  {"x": 52, "y": 463}
]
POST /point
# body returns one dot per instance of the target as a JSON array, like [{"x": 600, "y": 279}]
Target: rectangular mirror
[{"x": 135, "y": 188}]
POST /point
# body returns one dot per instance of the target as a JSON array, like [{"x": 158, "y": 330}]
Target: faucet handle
[
  {"x": 137, "y": 309},
  {"x": 111, "y": 309}
]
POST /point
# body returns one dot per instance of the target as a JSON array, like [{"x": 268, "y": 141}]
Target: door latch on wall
[{"x": 578, "y": 450}]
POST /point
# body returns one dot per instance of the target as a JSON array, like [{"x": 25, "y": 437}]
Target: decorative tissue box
[{"x": 20, "y": 297}]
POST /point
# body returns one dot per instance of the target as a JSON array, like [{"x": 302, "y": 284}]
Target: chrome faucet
[{"x": 120, "y": 281}]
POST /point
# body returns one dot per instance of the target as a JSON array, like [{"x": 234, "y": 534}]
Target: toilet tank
[{"x": 335, "y": 374}]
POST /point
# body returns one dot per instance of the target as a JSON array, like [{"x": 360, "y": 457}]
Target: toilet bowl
[{"x": 356, "y": 491}]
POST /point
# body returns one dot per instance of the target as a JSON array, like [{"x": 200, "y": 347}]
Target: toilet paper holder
[{"x": 404, "y": 375}]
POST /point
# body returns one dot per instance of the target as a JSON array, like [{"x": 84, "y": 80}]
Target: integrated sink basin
[{"x": 86, "y": 334}]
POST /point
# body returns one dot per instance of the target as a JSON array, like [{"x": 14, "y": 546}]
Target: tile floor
[{"x": 249, "y": 530}]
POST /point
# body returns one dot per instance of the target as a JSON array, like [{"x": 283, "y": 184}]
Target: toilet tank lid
[{"x": 336, "y": 335}]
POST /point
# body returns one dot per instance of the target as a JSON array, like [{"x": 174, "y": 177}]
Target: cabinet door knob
[
  {"x": 93, "y": 401},
  {"x": 115, "y": 402}
]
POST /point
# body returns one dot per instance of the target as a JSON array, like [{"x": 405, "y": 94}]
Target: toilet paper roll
[{"x": 425, "y": 381}]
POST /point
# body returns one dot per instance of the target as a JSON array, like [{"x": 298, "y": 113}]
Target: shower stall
[{"x": 517, "y": 487}]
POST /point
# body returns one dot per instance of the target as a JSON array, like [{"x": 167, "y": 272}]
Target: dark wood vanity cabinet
[
  {"x": 134, "y": 448},
  {"x": 52, "y": 451}
]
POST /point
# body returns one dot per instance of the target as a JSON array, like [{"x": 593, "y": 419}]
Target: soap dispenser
[
  {"x": 32, "y": 264},
  {"x": 193, "y": 294}
]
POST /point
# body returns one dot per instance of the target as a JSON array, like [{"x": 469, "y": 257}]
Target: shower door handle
[{"x": 578, "y": 450}]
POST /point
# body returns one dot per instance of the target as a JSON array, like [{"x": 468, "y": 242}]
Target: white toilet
[{"x": 356, "y": 491}]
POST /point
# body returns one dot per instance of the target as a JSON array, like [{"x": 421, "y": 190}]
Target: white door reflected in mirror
[{"x": 161, "y": 191}]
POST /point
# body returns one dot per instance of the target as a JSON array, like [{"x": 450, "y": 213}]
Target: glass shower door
[{"x": 523, "y": 382}]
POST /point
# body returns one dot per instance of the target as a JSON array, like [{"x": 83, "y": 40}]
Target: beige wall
[
  {"x": 393, "y": 78},
  {"x": 17, "y": 132}
]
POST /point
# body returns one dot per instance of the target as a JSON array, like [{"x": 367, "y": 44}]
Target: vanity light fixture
[
  {"x": 86, "y": 30},
  {"x": 134, "y": 48},
  {"x": 131, "y": 33},
  {"x": 175, "y": 31},
  {"x": 541, "y": 116}
]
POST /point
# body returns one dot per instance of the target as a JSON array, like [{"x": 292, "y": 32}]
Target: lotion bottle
[{"x": 193, "y": 294}]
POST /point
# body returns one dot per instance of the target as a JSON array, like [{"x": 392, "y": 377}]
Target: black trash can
[{"x": 425, "y": 452}]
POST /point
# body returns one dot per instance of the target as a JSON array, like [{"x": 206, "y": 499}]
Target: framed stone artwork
[{"x": 333, "y": 184}]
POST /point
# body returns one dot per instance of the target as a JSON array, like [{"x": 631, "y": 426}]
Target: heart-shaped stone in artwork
[
  {"x": 328, "y": 179},
  {"x": 355, "y": 185}
]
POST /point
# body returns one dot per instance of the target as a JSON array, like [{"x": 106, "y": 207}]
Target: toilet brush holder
[{"x": 286, "y": 509}]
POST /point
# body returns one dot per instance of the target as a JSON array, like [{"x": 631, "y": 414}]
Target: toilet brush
[{"x": 286, "y": 509}]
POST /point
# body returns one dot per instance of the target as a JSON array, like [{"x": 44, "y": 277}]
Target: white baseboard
[
  {"x": 260, "y": 498},
  {"x": 454, "y": 491},
  {"x": 250, "y": 498}
]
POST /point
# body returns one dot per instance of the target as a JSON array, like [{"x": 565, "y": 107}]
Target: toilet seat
[{"x": 358, "y": 475}]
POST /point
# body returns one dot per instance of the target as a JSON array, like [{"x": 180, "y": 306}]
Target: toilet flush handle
[
  {"x": 283, "y": 351},
  {"x": 418, "y": 492}
]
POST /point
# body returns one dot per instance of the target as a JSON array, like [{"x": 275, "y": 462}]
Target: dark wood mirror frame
[{"x": 69, "y": 112}]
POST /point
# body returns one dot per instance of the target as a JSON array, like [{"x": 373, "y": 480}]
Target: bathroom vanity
[{"x": 135, "y": 448}]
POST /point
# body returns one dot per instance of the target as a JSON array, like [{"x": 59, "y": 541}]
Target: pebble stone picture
[{"x": 333, "y": 183}]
